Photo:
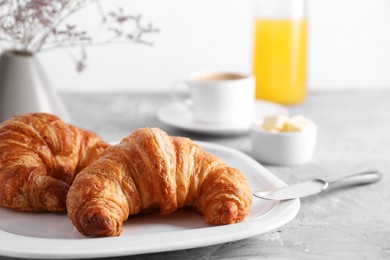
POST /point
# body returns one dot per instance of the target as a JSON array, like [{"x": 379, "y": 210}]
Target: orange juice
[{"x": 280, "y": 59}]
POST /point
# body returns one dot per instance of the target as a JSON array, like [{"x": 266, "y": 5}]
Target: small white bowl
[{"x": 283, "y": 148}]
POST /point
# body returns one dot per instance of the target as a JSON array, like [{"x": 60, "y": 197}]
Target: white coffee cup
[{"x": 219, "y": 97}]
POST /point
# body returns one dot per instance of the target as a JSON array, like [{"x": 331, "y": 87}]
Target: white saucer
[{"x": 178, "y": 115}]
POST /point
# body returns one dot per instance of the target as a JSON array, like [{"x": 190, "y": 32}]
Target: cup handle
[{"x": 178, "y": 96}]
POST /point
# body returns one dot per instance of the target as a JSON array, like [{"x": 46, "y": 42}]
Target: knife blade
[{"x": 315, "y": 186}]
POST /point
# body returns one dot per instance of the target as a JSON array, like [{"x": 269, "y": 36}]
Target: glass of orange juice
[{"x": 280, "y": 50}]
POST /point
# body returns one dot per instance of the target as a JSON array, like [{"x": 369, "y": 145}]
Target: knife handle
[{"x": 365, "y": 177}]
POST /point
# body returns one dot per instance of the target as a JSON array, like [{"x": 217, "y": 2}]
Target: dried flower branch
[{"x": 31, "y": 26}]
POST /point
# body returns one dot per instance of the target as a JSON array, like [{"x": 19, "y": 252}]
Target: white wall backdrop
[{"x": 349, "y": 45}]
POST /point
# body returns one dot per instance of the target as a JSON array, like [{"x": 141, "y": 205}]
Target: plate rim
[{"x": 278, "y": 216}]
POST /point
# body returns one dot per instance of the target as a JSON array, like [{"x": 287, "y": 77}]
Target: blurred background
[{"x": 349, "y": 45}]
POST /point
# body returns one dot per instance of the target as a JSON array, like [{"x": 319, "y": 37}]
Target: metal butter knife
[{"x": 318, "y": 185}]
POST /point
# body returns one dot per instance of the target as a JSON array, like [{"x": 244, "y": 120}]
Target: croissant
[
  {"x": 150, "y": 169},
  {"x": 39, "y": 157}
]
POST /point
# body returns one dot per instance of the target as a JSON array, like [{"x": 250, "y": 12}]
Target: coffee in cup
[{"x": 219, "y": 97}]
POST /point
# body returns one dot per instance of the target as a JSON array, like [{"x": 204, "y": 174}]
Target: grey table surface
[{"x": 354, "y": 135}]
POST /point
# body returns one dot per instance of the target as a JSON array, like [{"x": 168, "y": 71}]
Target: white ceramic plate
[
  {"x": 47, "y": 235},
  {"x": 178, "y": 115}
]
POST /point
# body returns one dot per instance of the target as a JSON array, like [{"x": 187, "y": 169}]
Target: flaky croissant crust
[
  {"x": 148, "y": 170},
  {"x": 39, "y": 157}
]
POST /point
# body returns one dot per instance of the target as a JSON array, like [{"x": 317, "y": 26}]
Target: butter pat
[
  {"x": 298, "y": 124},
  {"x": 281, "y": 123},
  {"x": 274, "y": 123}
]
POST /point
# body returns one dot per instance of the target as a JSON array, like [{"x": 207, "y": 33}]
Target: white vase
[{"x": 24, "y": 88}]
